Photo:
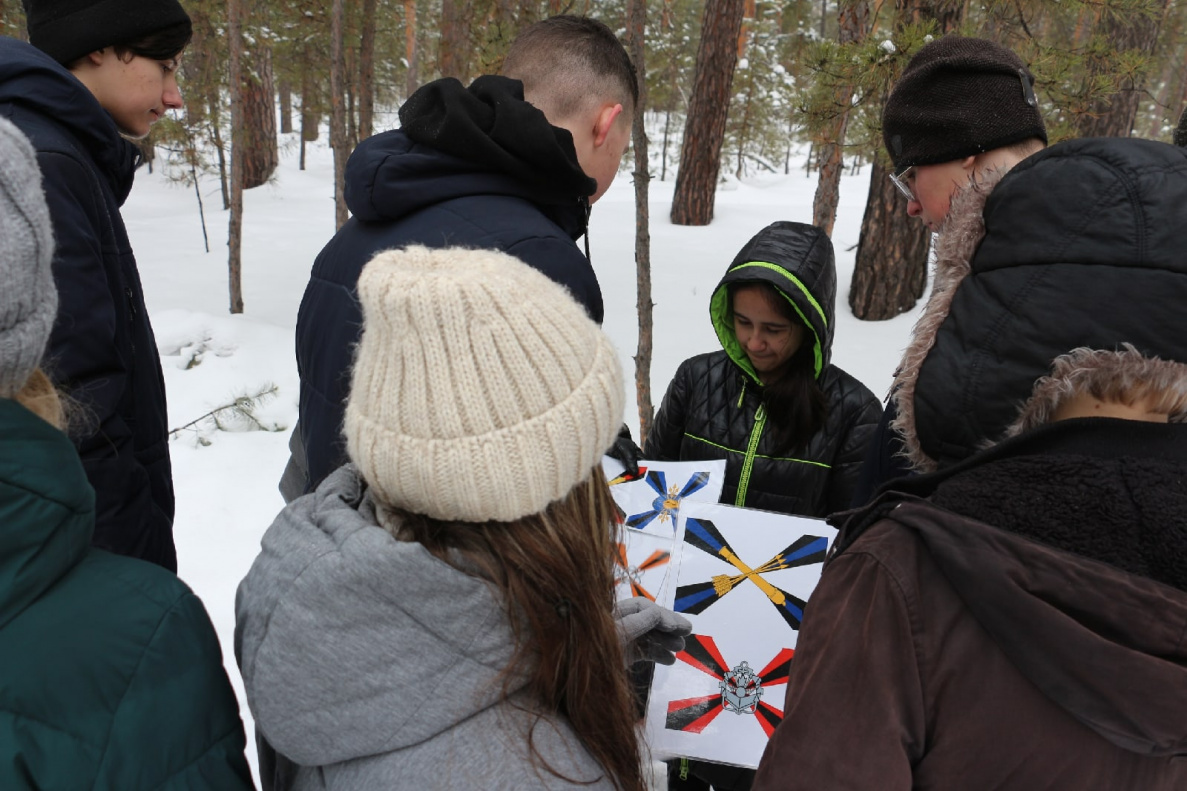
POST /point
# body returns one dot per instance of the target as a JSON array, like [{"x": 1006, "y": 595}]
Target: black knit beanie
[
  {"x": 68, "y": 29},
  {"x": 958, "y": 97}
]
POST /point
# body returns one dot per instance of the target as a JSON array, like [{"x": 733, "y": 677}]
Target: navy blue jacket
[
  {"x": 102, "y": 352},
  {"x": 404, "y": 193}
]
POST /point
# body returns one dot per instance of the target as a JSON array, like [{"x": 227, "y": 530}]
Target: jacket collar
[
  {"x": 31, "y": 79},
  {"x": 47, "y": 508},
  {"x": 958, "y": 239}
]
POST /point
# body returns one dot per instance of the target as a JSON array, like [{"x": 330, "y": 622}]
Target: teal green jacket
[{"x": 110, "y": 671}]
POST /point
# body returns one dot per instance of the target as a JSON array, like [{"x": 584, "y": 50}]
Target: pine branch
[{"x": 242, "y": 407}]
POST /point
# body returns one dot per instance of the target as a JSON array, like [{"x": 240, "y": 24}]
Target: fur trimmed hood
[
  {"x": 1079, "y": 246},
  {"x": 962, "y": 232}
]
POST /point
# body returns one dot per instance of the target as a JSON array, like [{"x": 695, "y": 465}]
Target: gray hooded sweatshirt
[{"x": 369, "y": 664}]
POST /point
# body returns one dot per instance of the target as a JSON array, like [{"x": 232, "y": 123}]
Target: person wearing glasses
[
  {"x": 963, "y": 111},
  {"x": 1014, "y": 618}
]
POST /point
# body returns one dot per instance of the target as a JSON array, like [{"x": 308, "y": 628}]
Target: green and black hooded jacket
[{"x": 713, "y": 409}]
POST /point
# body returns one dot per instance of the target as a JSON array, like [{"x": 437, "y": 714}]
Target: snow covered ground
[{"x": 226, "y": 479}]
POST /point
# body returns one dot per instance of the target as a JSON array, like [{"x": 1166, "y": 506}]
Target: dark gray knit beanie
[
  {"x": 68, "y": 29},
  {"x": 28, "y": 298},
  {"x": 958, "y": 97}
]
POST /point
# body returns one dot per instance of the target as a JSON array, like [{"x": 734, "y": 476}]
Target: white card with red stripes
[{"x": 742, "y": 577}]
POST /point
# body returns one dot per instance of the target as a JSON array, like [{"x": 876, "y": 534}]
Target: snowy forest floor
[{"x": 226, "y": 477}]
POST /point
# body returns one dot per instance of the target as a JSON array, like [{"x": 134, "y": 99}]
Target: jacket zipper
[
  {"x": 131, "y": 316},
  {"x": 760, "y": 420}
]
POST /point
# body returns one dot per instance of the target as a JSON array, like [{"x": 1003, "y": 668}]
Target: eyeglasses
[{"x": 900, "y": 180}]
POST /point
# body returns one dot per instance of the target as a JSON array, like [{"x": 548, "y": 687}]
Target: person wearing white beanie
[{"x": 439, "y": 613}]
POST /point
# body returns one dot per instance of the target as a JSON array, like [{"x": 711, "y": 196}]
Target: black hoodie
[{"x": 473, "y": 167}]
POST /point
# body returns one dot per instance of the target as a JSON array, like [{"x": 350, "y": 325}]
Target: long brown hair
[{"x": 555, "y": 573}]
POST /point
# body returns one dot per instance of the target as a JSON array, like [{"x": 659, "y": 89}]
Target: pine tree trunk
[
  {"x": 310, "y": 117},
  {"x": 260, "y": 151},
  {"x": 853, "y": 24},
  {"x": 286, "y": 107},
  {"x": 220, "y": 150},
  {"x": 367, "y": 72},
  {"x": 411, "y": 51},
  {"x": 452, "y": 60},
  {"x": 1114, "y": 116},
  {"x": 636, "y": 25},
  {"x": 890, "y": 272},
  {"x": 704, "y": 130},
  {"x": 235, "y": 227},
  {"x": 338, "y": 141}
]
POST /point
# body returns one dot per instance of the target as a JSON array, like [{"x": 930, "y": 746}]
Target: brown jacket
[{"x": 1026, "y": 629}]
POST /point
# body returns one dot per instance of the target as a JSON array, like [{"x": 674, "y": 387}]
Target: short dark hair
[
  {"x": 168, "y": 42},
  {"x": 556, "y": 57}
]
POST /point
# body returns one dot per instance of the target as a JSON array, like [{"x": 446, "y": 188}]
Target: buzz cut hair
[{"x": 567, "y": 61}]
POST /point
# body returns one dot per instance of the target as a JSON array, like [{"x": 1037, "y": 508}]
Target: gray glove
[{"x": 650, "y": 632}]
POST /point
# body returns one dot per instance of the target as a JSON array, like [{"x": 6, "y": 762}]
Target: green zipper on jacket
[{"x": 760, "y": 420}]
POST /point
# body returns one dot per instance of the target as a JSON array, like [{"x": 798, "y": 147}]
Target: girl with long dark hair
[
  {"x": 791, "y": 426},
  {"x": 440, "y": 614}
]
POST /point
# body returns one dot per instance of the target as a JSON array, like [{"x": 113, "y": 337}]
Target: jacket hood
[
  {"x": 797, "y": 259},
  {"x": 456, "y": 142},
  {"x": 1077, "y": 246},
  {"x": 354, "y": 644},
  {"x": 47, "y": 508},
  {"x": 1066, "y": 544},
  {"x": 34, "y": 81}
]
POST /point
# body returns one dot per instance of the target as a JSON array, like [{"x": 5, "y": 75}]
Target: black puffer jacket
[
  {"x": 999, "y": 311},
  {"x": 102, "y": 351},
  {"x": 713, "y": 408}
]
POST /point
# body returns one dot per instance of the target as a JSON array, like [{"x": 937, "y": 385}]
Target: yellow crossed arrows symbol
[{"x": 723, "y": 584}]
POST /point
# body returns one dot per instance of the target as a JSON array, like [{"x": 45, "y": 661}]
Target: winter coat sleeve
[
  {"x": 178, "y": 725},
  {"x": 563, "y": 263},
  {"x": 667, "y": 430},
  {"x": 329, "y": 324},
  {"x": 84, "y": 358},
  {"x": 861, "y": 420},
  {"x": 854, "y": 716},
  {"x": 884, "y": 460}
]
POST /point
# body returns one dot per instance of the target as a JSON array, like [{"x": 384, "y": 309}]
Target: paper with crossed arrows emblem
[
  {"x": 641, "y": 564},
  {"x": 650, "y": 501},
  {"x": 742, "y": 577},
  {"x": 704, "y": 535}
]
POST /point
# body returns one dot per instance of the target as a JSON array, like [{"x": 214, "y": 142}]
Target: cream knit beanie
[{"x": 481, "y": 390}]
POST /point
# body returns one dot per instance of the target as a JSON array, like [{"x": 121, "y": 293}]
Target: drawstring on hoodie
[{"x": 584, "y": 201}]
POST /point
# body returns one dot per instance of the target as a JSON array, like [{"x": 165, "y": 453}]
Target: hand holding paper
[{"x": 650, "y": 632}]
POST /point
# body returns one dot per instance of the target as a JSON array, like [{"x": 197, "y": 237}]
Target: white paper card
[{"x": 742, "y": 577}]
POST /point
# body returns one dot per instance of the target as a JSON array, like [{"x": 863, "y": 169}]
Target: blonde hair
[
  {"x": 40, "y": 397},
  {"x": 1121, "y": 377}
]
